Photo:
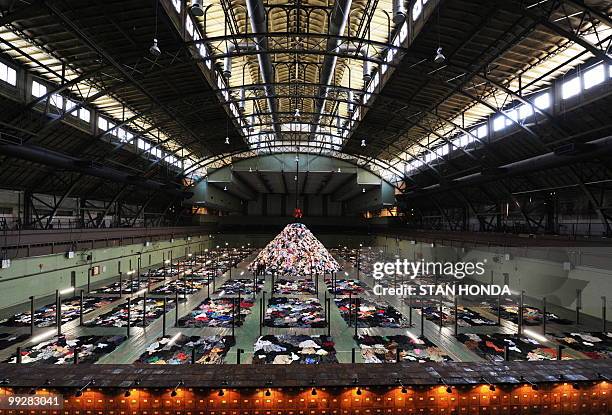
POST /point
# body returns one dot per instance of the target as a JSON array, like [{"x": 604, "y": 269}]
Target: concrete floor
[{"x": 247, "y": 334}]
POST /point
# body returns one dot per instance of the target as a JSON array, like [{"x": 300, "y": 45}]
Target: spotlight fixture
[
  {"x": 268, "y": 393},
  {"x": 227, "y": 140},
  {"x": 534, "y": 386},
  {"x": 225, "y": 188},
  {"x": 449, "y": 388},
  {"x": 154, "y": 49},
  {"x": 404, "y": 390},
  {"x": 491, "y": 386},
  {"x": 313, "y": 392},
  {"x": 79, "y": 392},
  {"x": 32, "y": 391},
  {"x": 196, "y": 9},
  {"x": 127, "y": 393},
  {"x": 439, "y": 58},
  {"x": 358, "y": 392},
  {"x": 176, "y": 388},
  {"x": 5, "y": 381},
  {"x": 221, "y": 392},
  {"x": 576, "y": 385},
  {"x": 363, "y": 143}
]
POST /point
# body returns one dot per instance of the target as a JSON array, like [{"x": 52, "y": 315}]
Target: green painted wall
[{"x": 42, "y": 275}]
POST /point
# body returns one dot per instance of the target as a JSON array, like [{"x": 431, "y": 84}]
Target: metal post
[
  {"x": 234, "y": 318},
  {"x": 329, "y": 317},
  {"x": 32, "y": 325},
  {"x": 129, "y": 315},
  {"x": 441, "y": 313},
  {"x": 238, "y": 354},
  {"x": 398, "y": 352},
  {"x": 356, "y": 316},
  {"x": 506, "y": 353},
  {"x": 164, "y": 317},
  {"x": 353, "y": 355},
  {"x": 350, "y": 309},
  {"x": 499, "y": 309},
  {"x": 18, "y": 356},
  {"x": 578, "y": 304},
  {"x": 58, "y": 314},
  {"x": 88, "y": 280},
  {"x": 193, "y": 356},
  {"x": 410, "y": 311},
  {"x": 456, "y": 316},
  {"x": 317, "y": 284},
  {"x": 144, "y": 310},
  {"x": 520, "y": 312},
  {"x": 76, "y": 355},
  {"x": 544, "y": 315},
  {"x": 422, "y": 320},
  {"x": 81, "y": 299},
  {"x": 560, "y": 352},
  {"x": 120, "y": 284},
  {"x": 176, "y": 308},
  {"x": 603, "y": 315}
]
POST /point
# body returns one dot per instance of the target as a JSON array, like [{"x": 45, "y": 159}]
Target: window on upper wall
[
  {"x": 8, "y": 74},
  {"x": 85, "y": 114},
  {"x": 57, "y": 101},
  {"x": 102, "y": 124},
  {"x": 38, "y": 89},
  {"x": 499, "y": 123},
  {"x": 594, "y": 76},
  {"x": 525, "y": 111},
  {"x": 70, "y": 104},
  {"x": 417, "y": 9},
  {"x": 570, "y": 88},
  {"x": 177, "y": 5},
  {"x": 482, "y": 131},
  {"x": 542, "y": 101}
]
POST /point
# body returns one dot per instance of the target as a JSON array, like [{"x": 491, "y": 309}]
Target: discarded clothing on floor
[
  {"x": 246, "y": 286},
  {"x": 129, "y": 286},
  {"x": 294, "y": 312},
  {"x": 294, "y": 349},
  {"x": 294, "y": 251},
  {"x": 345, "y": 286},
  {"x": 184, "y": 287},
  {"x": 118, "y": 316},
  {"x": 217, "y": 312},
  {"x": 383, "y": 349},
  {"x": 594, "y": 345},
  {"x": 466, "y": 317},
  {"x": 45, "y": 316},
  {"x": 294, "y": 287},
  {"x": 60, "y": 350},
  {"x": 9, "y": 339},
  {"x": 370, "y": 313},
  {"x": 532, "y": 316},
  {"x": 491, "y": 347},
  {"x": 172, "y": 350}
]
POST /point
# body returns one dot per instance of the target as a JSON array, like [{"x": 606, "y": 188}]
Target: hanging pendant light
[
  {"x": 154, "y": 49},
  {"x": 363, "y": 143},
  {"x": 196, "y": 9}
]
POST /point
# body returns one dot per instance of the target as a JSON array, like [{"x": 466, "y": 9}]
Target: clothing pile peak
[{"x": 295, "y": 251}]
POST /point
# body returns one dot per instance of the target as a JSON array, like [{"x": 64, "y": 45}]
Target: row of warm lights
[{"x": 313, "y": 391}]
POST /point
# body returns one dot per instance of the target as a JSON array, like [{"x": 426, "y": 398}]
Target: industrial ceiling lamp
[
  {"x": 227, "y": 140},
  {"x": 225, "y": 188},
  {"x": 196, "y": 9},
  {"x": 363, "y": 143},
  {"x": 154, "y": 49},
  {"x": 439, "y": 58},
  {"x": 297, "y": 113}
]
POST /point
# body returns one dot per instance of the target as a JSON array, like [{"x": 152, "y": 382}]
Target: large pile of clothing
[
  {"x": 59, "y": 350},
  {"x": 594, "y": 345},
  {"x": 178, "y": 350},
  {"x": 45, "y": 316},
  {"x": 491, "y": 347},
  {"x": 345, "y": 286},
  {"x": 9, "y": 339},
  {"x": 370, "y": 313},
  {"x": 118, "y": 316},
  {"x": 295, "y": 251},
  {"x": 246, "y": 286},
  {"x": 293, "y": 349},
  {"x": 466, "y": 317},
  {"x": 294, "y": 287},
  {"x": 217, "y": 312},
  {"x": 383, "y": 349},
  {"x": 184, "y": 287},
  {"x": 294, "y": 312}
]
